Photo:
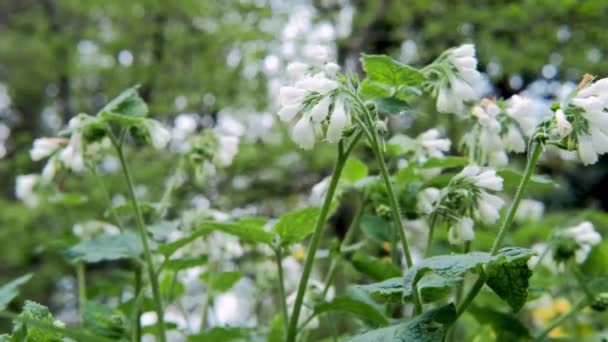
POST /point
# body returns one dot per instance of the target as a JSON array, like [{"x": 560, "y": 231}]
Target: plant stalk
[
  {"x": 283, "y": 299},
  {"x": 82, "y": 288}
]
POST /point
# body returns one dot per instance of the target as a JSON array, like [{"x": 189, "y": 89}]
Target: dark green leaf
[
  {"x": 356, "y": 307},
  {"x": 508, "y": 275},
  {"x": 433, "y": 288},
  {"x": 376, "y": 228},
  {"x": 391, "y": 106},
  {"x": 127, "y": 104},
  {"x": 428, "y": 327},
  {"x": 222, "y": 281},
  {"x": 383, "y": 69},
  {"x": 389, "y": 290},
  {"x": 125, "y": 245},
  {"x": 104, "y": 321},
  {"x": 294, "y": 227},
  {"x": 502, "y": 323},
  {"x": 9, "y": 291},
  {"x": 373, "y": 267},
  {"x": 185, "y": 263},
  {"x": 248, "y": 230}
]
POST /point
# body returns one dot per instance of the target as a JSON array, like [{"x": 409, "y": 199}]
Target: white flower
[
  {"x": 309, "y": 101},
  {"x": 25, "y": 189},
  {"x": 427, "y": 200},
  {"x": 527, "y": 112},
  {"x": 303, "y": 133},
  {"x": 228, "y": 147},
  {"x": 461, "y": 231},
  {"x": 514, "y": 141},
  {"x": 434, "y": 145},
  {"x": 530, "y": 209},
  {"x": 318, "y": 191},
  {"x": 461, "y": 83},
  {"x": 72, "y": 155},
  {"x": 44, "y": 147},
  {"x": 488, "y": 207},
  {"x": 158, "y": 134},
  {"x": 564, "y": 128},
  {"x": 483, "y": 178},
  {"x": 50, "y": 169},
  {"x": 586, "y": 237},
  {"x": 339, "y": 121}
]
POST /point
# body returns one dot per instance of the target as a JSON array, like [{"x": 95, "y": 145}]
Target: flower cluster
[
  {"x": 454, "y": 79},
  {"x": 468, "y": 195},
  {"x": 582, "y": 123},
  {"x": 314, "y": 99},
  {"x": 576, "y": 241},
  {"x": 501, "y": 127}
]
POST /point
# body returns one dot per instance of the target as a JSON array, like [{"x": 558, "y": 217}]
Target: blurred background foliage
[{"x": 62, "y": 57}]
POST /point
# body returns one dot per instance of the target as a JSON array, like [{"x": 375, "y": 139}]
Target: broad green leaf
[
  {"x": 433, "y": 288},
  {"x": 354, "y": 170},
  {"x": 388, "y": 291},
  {"x": 125, "y": 245},
  {"x": 506, "y": 326},
  {"x": 276, "y": 330},
  {"x": 296, "y": 226},
  {"x": 439, "y": 181},
  {"x": 383, "y": 69},
  {"x": 373, "y": 90},
  {"x": 391, "y": 105},
  {"x": 376, "y": 228},
  {"x": 373, "y": 267},
  {"x": 185, "y": 263},
  {"x": 9, "y": 291},
  {"x": 445, "y": 163},
  {"x": 428, "y": 327},
  {"x": 171, "y": 287},
  {"x": 168, "y": 249},
  {"x": 221, "y": 334},
  {"x": 221, "y": 281},
  {"x": 356, "y": 307},
  {"x": 127, "y": 104},
  {"x": 104, "y": 321},
  {"x": 511, "y": 179},
  {"x": 249, "y": 229},
  {"x": 24, "y": 331},
  {"x": 508, "y": 275}
]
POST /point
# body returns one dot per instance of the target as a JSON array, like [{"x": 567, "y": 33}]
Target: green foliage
[
  {"x": 428, "y": 327},
  {"x": 354, "y": 170},
  {"x": 296, "y": 226},
  {"x": 508, "y": 276},
  {"x": 104, "y": 321},
  {"x": 222, "y": 281},
  {"x": 9, "y": 291},
  {"x": 24, "y": 331},
  {"x": 506, "y": 326},
  {"x": 389, "y": 290},
  {"x": 373, "y": 267},
  {"x": 221, "y": 334},
  {"x": 125, "y": 245},
  {"x": 248, "y": 230},
  {"x": 353, "y": 306}
]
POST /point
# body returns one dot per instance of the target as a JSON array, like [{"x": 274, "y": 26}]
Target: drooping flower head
[
  {"x": 576, "y": 241},
  {"x": 314, "y": 100},
  {"x": 581, "y": 124},
  {"x": 453, "y": 78}
]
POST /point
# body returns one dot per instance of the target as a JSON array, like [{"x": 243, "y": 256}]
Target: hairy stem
[
  {"x": 143, "y": 234},
  {"x": 429, "y": 240},
  {"x": 535, "y": 153},
  {"x": 279, "y": 258}
]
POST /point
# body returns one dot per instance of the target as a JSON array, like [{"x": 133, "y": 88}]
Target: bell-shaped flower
[
  {"x": 158, "y": 134},
  {"x": 303, "y": 133},
  {"x": 25, "y": 189},
  {"x": 462, "y": 231}
]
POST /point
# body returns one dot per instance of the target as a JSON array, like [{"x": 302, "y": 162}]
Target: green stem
[
  {"x": 107, "y": 197},
  {"x": 314, "y": 242},
  {"x": 82, "y": 288},
  {"x": 279, "y": 258},
  {"x": 560, "y": 319},
  {"x": 429, "y": 240},
  {"x": 535, "y": 153},
  {"x": 136, "y": 334},
  {"x": 165, "y": 200},
  {"x": 141, "y": 226},
  {"x": 71, "y": 332},
  {"x": 582, "y": 283},
  {"x": 206, "y": 304}
]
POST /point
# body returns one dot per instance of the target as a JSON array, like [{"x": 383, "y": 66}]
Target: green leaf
[
  {"x": 508, "y": 275},
  {"x": 445, "y": 163},
  {"x": 391, "y": 105},
  {"x": 295, "y": 226},
  {"x": 105, "y": 321},
  {"x": 222, "y": 281},
  {"x": 356, "y": 307},
  {"x": 127, "y": 104},
  {"x": 185, "y": 263},
  {"x": 354, "y": 170},
  {"x": 511, "y": 179},
  {"x": 220, "y": 334},
  {"x": 387, "y": 291},
  {"x": 168, "y": 249},
  {"x": 276, "y": 330},
  {"x": 373, "y": 267},
  {"x": 376, "y": 228},
  {"x": 9, "y": 291},
  {"x": 248, "y": 229},
  {"x": 383, "y": 69},
  {"x": 125, "y": 245},
  {"x": 372, "y": 90},
  {"x": 433, "y": 288},
  {"x": 507, "y": 326},
  {"x": 428, "y": 327},
  {"x": 24, "y": 331}
]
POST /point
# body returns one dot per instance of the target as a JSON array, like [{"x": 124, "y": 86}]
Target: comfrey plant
[{"x": 426, "y": 239}]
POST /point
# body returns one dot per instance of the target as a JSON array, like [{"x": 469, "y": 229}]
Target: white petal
[
  {"x": 320, "y": 110},
  {"x": 590, "y": 104},
  {"x": 337, "y": 122},
  {"x": 291, "y": 95},
  {"x": 514, "y": 140},
  {"x": 596, "y": 88},
  {"x": 303, "y": 133},
  {"x": 586, "y": 152},
  {"x": 600, "y": 140},
  {"x": 462, "y": 89},
  {"x": 331, "y": 69},
  {"x": 489, "y": 180},
  {"x": 462, "y": 231},
  {"x": 159, "y": 135},
  {"x": 463, "y": 63},
  {"x": 297, "y": 70},
  {"x": 443, "y": 101},
  {"x": 464, "y": 50},
  {"x": 564, "y": 128},
  {"x": 287, "y": 113}
]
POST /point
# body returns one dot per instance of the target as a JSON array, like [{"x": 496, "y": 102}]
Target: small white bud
[
  {"x": 337, "y": 122},
  {"x": 303, "y": 133},
  {"x": 461, "y": 231},
  {"x": 564, "y": 128},
  {"x": 159, "y": 135}
]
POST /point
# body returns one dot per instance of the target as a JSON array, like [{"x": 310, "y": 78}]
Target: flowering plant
[{"x": 410, "y": 283}]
